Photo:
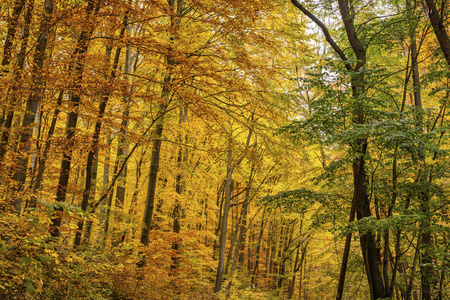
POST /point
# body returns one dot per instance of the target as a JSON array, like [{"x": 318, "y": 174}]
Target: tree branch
[
  {"x": 355, "y": 43},
  {"x": 325, "y": 31},
  {"x": 439, "y": 29}
]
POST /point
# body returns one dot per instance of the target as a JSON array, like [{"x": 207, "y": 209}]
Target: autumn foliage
[{"x": 196, "y": 149}]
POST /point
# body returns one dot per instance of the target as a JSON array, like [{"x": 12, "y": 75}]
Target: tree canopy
[{"x": 194, "y": 149}]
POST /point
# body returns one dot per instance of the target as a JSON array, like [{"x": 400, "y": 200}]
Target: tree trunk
[
  {"x": 48, "y": 142},
  {"x": 346, "y": 253},
  {"x": 154, "y": 161},
  {"x": 123, "y": 144},
  {"x": 258, "y": 250},
  {"x": 179, "y": 188},
  {"x": 89, "y": 222},
  {"x": 32, "y": 103},
  {"x": 11, "y": 32},
  {"x": 439, "y": 29},
  {"x": 11, "y": 93},
  {"x": 153, "y": 175},
  {"x": 106, "y": 165},
  {"x": 426, "y": 265},
  {"x": 134, "y": 197},
  {"x": 91, "y": 172},
  {"x": 360, "y": 196},
  {"x": 219, "y": 202},
  {"x": 226, "y": 208},
  {"x": 72, "y": 118},
  {"x": 292, "y": 283}
]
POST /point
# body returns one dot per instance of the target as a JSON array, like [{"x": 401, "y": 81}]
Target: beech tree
[
  {"x": 193, "y": 149},
  {"x": 360, "y": 202}
]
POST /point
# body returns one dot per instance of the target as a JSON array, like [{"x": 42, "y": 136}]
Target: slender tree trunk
[
  {"x": 426, "y": 263},
  {"x": 258, "y": 250},
  {"x": 238, "y": 238},
  {"x": 234, "y": 237},
  {"x": 122, "y": 150},
  {"x": 32, "y": 103},
  {"x": 302, "y": 271},
  {"x": 91, "y": 172},
  {"x": 219, "y": 202},
  {"x": 12, "y": 22},
  {"x": 11, "y": 32},
  {"x": 123, "y": 144},
  {"x": 360, "y": 196},
  {"x": 243, "y": 229},
  {"x": 346, "y": 253},
  {"x": 106, "y": 168},
  {"x": 153, "y": 176},
  {"x": 89, "y": 222},
  {"x": 409, "y": 290},
  {"x": 11, "y": 93},
  {"x": 154, "y": 161},
  {"x": 269, "y": 239},
  {"x": 251, "y": 237},
  {"x": 226, "y": 208},
  {"x": 179, "y": 188},
  {"x": 72, "y": 118},
  {"x": 361, "y": 199},
  {"x": 292, "y": 283},
  {"x": 367, "y": 241},
  {"x": 48, "y": 142},
  {"x": 134, "y": 197},
  {"x": 243, "y": 223}
]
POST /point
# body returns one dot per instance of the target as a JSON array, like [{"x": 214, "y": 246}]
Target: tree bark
[
  {"x": 226, "y": 209},
  {"x": 32, "y": 103},
  {"x": 346, "y": 253},
  {"x": 154, "y": 161},
  {"x": 360, "y": 195},
  {"x": 226, "y": 206},
  {"x": 258, "y": 250},
  {"x": 11, "y": 97},
  {"x": 72, "y": 118},
  {"x": 91, "y": 170},
  {"x": 11, "y": 32},
  {"x": 153, "y": 175},
  {"x": 106, "y": 168},
  {"x": 48, "y": 142},
  {"x": 426, "y": 266},
  {"x": 179, "y": 188},
  {"x": 439, "y": 29}
]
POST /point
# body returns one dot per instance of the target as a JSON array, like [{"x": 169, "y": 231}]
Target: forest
[{"x": 227, "y": 149}]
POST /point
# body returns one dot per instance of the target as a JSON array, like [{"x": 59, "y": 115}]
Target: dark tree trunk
[
  {"x": 179, "y": 188},
  {"x": 426, "y": 266},
  {"x": 91, "y": 170},
  {"x": 11, "y": 32},
  {"x": 48, "y": 142},
  {"x": 32, "y": 103},
  {"x": 258, "y": 250},
  {"x": 154, "y": 161},
  {"x": 226, "y": 206},
  {"x": 11, "y": 94},
  {"x": 439, "y": 29},
  {"x": 72, "y": 118},
  {"x": 359, "y": 146},
  {"x": 153, "y": 176},
  {"x": 223, "y": 233}
]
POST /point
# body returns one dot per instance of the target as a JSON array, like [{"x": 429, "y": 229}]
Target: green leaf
[{"x": 29, "y": 285}]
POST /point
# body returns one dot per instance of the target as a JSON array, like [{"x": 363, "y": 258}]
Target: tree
[
  {"x": 359, "y": 145},
  {"x": 79, "y": 55}
]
